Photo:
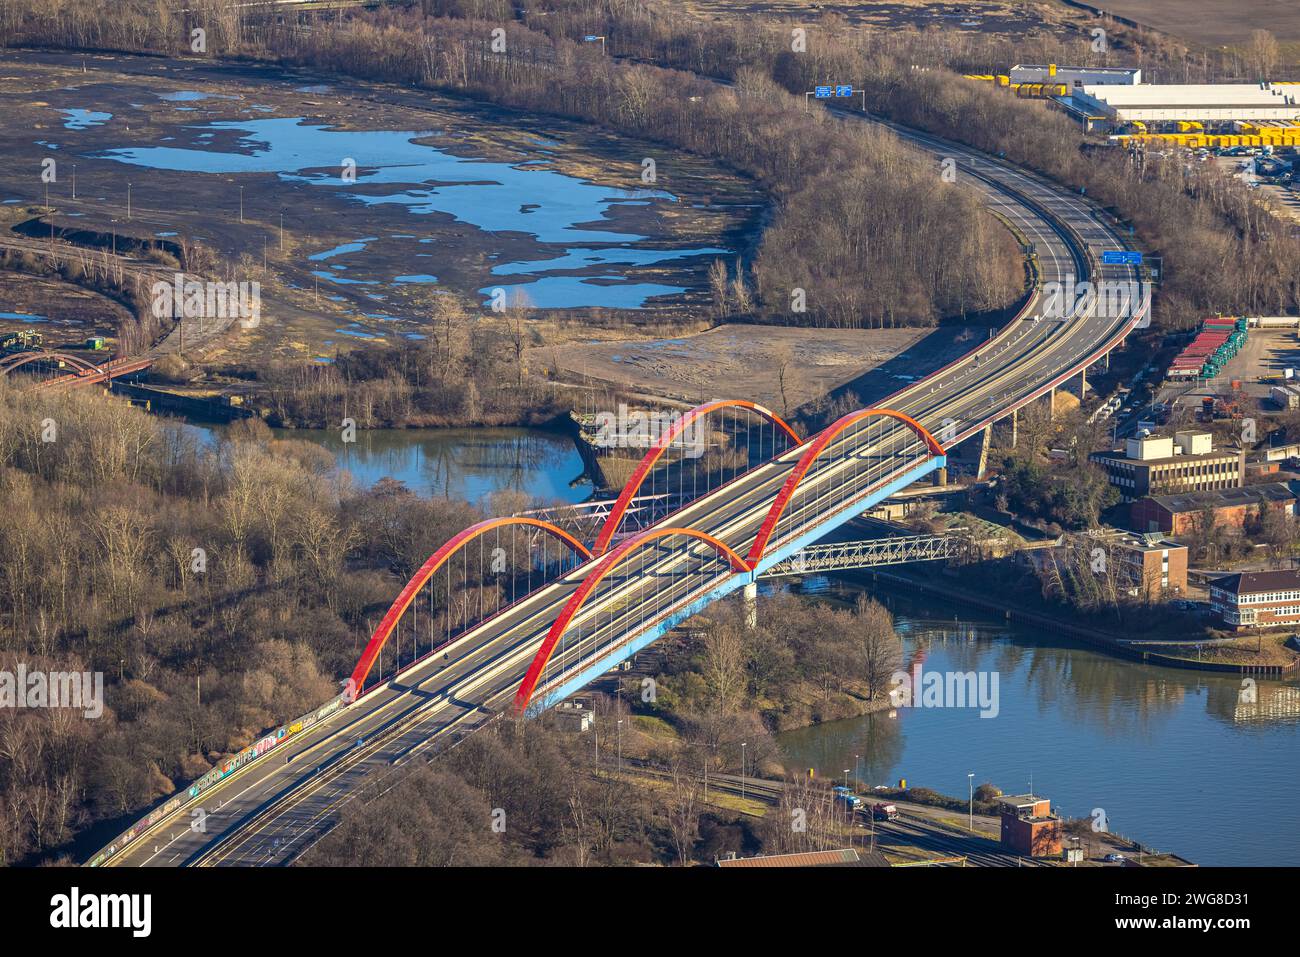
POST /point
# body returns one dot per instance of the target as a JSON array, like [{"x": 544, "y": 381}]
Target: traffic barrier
[{"x": 235, "y": 762}]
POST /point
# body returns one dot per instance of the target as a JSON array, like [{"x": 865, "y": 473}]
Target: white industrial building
[
  {"x": 1074, "y": 76},
  {"x": 1207, "y": 102}
]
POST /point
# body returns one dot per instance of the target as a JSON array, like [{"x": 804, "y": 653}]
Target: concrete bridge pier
[
  {"x": 750, "y": 596},
  {"x": 1015, "y": 427}
]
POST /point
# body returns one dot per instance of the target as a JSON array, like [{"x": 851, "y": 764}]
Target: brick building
[
  {"x": 1149, "y": 567},
  {"x": 1029, "y": 827},
  {"x": 1180, "y": 514},
  {"x": 1257, "y": 599},
  {"x": 1153, "y": 568}
]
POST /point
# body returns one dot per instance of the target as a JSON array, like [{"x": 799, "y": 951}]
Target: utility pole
[{"x": 742, "y": 770}]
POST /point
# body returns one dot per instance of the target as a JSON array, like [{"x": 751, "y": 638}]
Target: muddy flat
[
  {"x": 388, "y": 197},
  {"x": 65, "y": 315},
  {"x": 737, "y": 359}
]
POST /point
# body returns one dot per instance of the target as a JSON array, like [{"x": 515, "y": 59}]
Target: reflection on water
[
  {"x": 468, "y": 464},
  {"x": 400, "y": 167},
  {"x": 1169, "y": 754}
]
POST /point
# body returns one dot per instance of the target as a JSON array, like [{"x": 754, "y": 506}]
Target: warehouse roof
[
  {"x": 1216, "y": 95},
  {"x": 1273, "y": 492}
]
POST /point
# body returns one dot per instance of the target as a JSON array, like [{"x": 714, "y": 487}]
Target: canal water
[{"x": 1179, "y": 760}]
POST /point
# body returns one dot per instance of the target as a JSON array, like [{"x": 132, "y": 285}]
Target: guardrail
[{"x": 225, "y": 769}]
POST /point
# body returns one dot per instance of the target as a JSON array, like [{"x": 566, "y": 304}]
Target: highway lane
[{"x": 268, "y": 811}]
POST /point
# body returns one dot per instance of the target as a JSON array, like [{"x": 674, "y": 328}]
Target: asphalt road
[{"x": 269, "y": 811}]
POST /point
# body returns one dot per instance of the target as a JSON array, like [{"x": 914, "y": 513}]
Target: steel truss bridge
[
  {"x": 487, "y": 626},
  {"x": 869, "y": 553}
]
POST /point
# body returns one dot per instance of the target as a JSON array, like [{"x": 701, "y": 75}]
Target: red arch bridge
[
  {"x": 514, "y": 614},
  {"x": 588, "y": 607}
]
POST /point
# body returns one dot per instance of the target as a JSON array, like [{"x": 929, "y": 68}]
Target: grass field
[{"x": 1213, "y": 22}]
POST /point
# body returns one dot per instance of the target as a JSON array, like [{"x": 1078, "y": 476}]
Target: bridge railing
[{"x": 236, "y": 762}]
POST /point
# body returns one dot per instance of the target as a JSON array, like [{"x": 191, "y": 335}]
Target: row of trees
[
  {"x": 465, "y": 371},
  {"x": 796, "y": 662}
]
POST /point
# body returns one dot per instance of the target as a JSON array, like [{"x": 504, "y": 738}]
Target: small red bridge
[{"x": 81, "y": 371}]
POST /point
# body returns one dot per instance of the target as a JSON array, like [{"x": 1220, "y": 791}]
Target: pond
[{"x": 466, "y": 464}]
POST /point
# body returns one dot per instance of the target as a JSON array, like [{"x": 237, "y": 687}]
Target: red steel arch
[
  {"x": 9, "y": 363},
  {"x": 654, "y": 453},
  {"x": 436, "y": 561},
  {"x": 811, "y": 454},
  {"x": 603, "y": 568}
]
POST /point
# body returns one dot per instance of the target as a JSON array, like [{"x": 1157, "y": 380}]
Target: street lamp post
[
  {"x": 970, "y": 820},
  {"x": 742, "y": 770}
]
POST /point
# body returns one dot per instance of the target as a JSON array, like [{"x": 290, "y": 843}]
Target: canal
[{"x": 1179, "y": 760}]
